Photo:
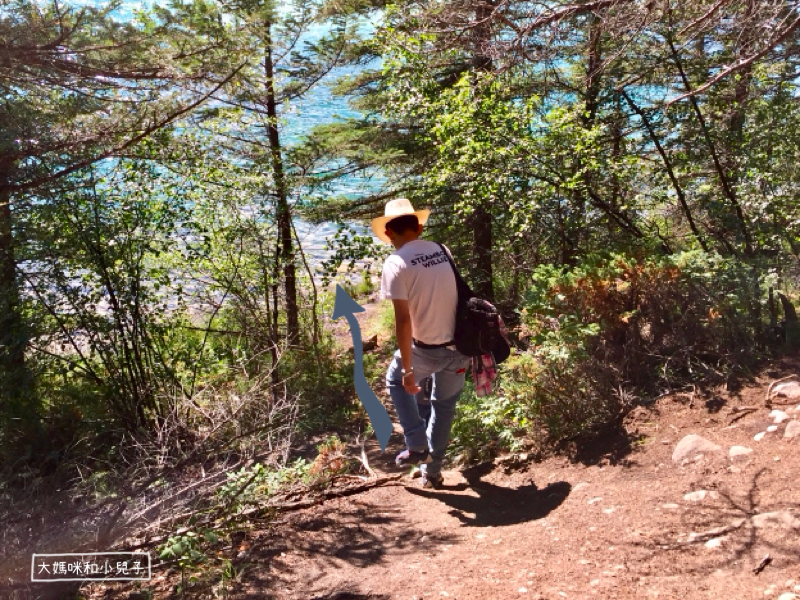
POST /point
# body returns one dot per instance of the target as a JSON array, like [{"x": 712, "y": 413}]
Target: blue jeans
[{"x": 446, "y": 369}]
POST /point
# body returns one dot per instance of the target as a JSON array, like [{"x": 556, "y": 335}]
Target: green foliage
[
  {"x": 609, "y": 331},
  {"x": 386, "y": 324},
  {"x": 348, "y": 247},
  {"x": 617, "y": 327},
  {"x": 186, "y": 549},
  {"x": 687, "y": 315},
  {"x": 501, "y": 421},
  {"x": 257, "y": 483},
  {"x": 146, "y": 264}
]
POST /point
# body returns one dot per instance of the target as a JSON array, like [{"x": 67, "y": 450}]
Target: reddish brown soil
[{"x": 611, "y": 523}]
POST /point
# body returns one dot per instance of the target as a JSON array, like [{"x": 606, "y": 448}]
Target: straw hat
[{"x": 394, "y": 209}]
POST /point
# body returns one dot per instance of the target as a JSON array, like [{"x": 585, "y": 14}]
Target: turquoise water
[{"x": 319, "y": 106}]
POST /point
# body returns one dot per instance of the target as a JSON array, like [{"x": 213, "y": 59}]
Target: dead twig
[
  {"x": 258, "y": 511},
  {"x": 322, "y": 497},
  {"x": 741, "y": 412},
  {"x": 762, "y": 565},
  {"x": 363, "y": 459}
]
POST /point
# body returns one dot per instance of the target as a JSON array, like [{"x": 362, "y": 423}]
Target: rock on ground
[
  {"x": 778, "y": 416},
  {"x": 696, "y": 496},
  {"x": 790, "y": 389},
  {"x": 691, "y": 445},
  {"x": 739, "y": 451},
  {"x": 782, "y": 519},
  {"x": 792, "y": 430}
]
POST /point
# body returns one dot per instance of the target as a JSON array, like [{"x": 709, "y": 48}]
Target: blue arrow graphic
[{"x": 345, "y": 306}]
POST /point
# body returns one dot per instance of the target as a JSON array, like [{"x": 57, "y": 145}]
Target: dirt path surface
[
  {"x": 627, "y": 522},
  {"x": 621, "y": 520}
]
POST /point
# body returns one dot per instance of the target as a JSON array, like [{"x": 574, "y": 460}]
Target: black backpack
[{"x": 477, "y": 322}]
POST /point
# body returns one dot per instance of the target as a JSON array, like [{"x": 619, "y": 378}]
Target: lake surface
[{"x": 318, "y": 107}]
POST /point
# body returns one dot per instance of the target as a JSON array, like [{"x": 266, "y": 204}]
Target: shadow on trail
[
  {"x": 611, "y": 443},
  {"x": 733, "y": 521},
  {"x": 497, "y": 506},
  {"x": 302, "y": 554}
]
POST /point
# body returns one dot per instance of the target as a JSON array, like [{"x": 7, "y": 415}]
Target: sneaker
[
  {"x": 432, "y": 481},
  {"x": 415, "y": 457}
]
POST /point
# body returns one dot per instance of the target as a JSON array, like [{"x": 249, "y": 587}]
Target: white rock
[
  {"x": 792, "y": 429},
  {"x": 772, "y": 428},
  {"x": 714, "y": 542},
  {"x": 759, "y": 436},
  {"x": 696, "y": 496},
  {"x": 782, "y": 519},
  {"x": 691, "y": 445},
  {"x": 778, "y": 416},
  {"x": 739, "y": 451},
  {"x": 790, "y": 389},
  {"x": 788, "y": 596},
  {"x": 670, "y": 506}
]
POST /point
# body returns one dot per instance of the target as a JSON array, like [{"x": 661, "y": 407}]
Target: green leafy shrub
[
  {"x": 485, "y": 425},
  {"x": 186, "y": 548},
  {"x": 616, "y": 327},
  {"x": 248, "y": 485},
  {"x": 659, "y": 321}
]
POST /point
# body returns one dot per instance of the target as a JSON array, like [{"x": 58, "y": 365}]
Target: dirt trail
[{"x": 621, "y": 522}]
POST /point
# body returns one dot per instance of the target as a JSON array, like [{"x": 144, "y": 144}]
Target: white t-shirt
[{"x": 420, "y": 273}]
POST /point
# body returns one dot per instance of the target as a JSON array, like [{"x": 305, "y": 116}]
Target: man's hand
[{"x": 409, "y": 385}]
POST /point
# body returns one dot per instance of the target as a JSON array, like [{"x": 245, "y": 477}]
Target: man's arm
[{"x": 402, "y": 328}]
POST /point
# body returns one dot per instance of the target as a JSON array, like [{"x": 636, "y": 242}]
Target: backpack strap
[{"x": 464, "y": 291}]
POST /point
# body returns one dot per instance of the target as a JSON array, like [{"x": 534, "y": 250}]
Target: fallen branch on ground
[
  {"x": 329, "y": 495},
  {"x": 258, "y": 511},
  {"x": 741, "y": 412}
]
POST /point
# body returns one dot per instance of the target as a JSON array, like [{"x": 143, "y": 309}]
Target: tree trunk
[
  {"x": 284, "y": 216},
  {"x": 593, "y": 64},
  {"x": 741, "y": 94},
  {"x": 16, "y": 393},
  {"x": 591, "y": 103},
  {"x": 482, "y": 252},
  {"x": 482, "y": 239},
  {"x": 722, "y": 174}
]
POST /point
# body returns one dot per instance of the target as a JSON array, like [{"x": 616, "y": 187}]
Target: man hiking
[{"x": 419, "y": 281}]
